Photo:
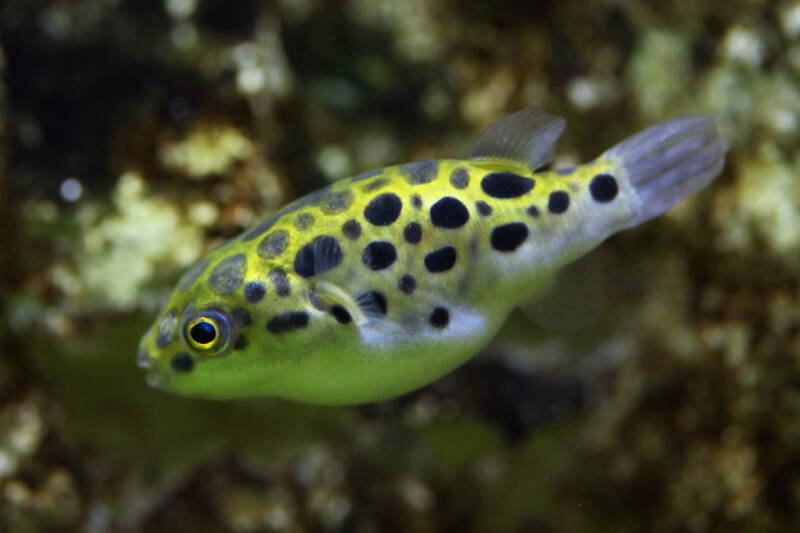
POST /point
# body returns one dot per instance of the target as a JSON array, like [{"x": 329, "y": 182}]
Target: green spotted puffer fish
[{"x": 382, "y": 283}]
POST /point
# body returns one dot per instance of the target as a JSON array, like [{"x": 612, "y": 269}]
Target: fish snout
[{"x": 143, "y": 359}]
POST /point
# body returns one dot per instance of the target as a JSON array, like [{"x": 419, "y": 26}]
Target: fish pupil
[{"x": 203, "y": 333}]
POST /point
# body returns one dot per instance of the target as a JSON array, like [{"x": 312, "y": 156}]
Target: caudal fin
[{"x": 670, "y": 161}]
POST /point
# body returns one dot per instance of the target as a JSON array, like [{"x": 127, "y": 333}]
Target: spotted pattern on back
[
  {"x": 273, "y": 244},
  {"x": 351, "y": 229},
  {"x": 483, "y": 208},
  {"x": 421, "y": 172},
  {"x": 449, "y": 212},
  {"x": 254, "y": 292},
  {"x": 317, "y": 257},
  {"x": 384, "y": 209},
  {"x": 280, "y": 282},
  {"x": 459, "y": 178},
  {"x": 375, "y": 185},
  {"x": 379, "y": 255},
  {"x": 228, "y": 275},
  {"x": 509, "y": 237},
  {"x": 441, "y": 260},
  {"x": 407, "y": 284},
  {"x": 408, "y": 244},
  {"x": 337, "y": 202},
  {"x": 412, "y": 233},
  {"x": 506, "y": 185},
  {"x": 437, "y": 233},
  {"x": 304, "y": 221}
]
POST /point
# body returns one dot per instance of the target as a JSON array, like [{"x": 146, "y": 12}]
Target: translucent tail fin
[{"x": 670, "y": 161}]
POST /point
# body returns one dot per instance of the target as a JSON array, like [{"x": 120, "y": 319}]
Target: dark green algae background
[{"x": 136, "y": 135}]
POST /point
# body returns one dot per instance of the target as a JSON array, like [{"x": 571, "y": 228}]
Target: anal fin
[{"x": 576, "y": 296}]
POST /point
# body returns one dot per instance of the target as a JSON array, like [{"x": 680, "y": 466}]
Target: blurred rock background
[{"x": 136, "y": 135}]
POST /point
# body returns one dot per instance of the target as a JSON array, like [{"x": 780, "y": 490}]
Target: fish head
[{"x": 206, "y": 341}]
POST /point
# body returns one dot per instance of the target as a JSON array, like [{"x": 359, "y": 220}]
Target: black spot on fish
[
  {"x": 163, "y": 339},
  {"x": 241, "y": 342},
  {"x": 341, "y": 314},
  {"x": 241, "y": 317},
  {"x": 317, "y": 257},
  {"x": 367, "y": 175},
  {"x": 441, "y": 260},
  {"x": 273, "y": 244},
  {"x": 603, "y": 188},
  {"x": 228, "y": 275},
  {"x": 280, "y": 282},
  {"x": 558, "y": 202},
  {"x": 303, "y": 221},
  {"x": 379, "y": 183},
  {"x": 508, "y": 237},
  {"x": 182, "y": 362},
  {"x": 506, "y": 185},
  {"x": 337, "y": 202},
  {"x": 407, "y": 284},
  {"x": 420, "y": 172},
  {"x": 440, "y": 318},
  {"x": 351, "y": 229},
  {"x": 254, "y": 292},
  {"x": 459, "y": 178},
  {"x": 193, "y": 274},
  {"x": 288, "y": 321},
  {"x": 380, "y": 301},
  {"x": 533, "y": 211},
  {"x": 383, "y": 209},
  {"x": 449, "y": 213},
  {"x": 416, "y": 201},
  {"x": 372, "y": 303},
  {"x": 412, "y": 233},
  {"x": 378, "y": 255},
  {"x": 483, "y": 208}
]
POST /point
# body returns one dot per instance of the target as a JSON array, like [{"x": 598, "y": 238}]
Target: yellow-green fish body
[{"x": 384, "y": 282}]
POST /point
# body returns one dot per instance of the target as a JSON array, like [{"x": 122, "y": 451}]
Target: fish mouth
[
  {"x": 154, "y": 379},
  {"x": 143, "y": 359}
]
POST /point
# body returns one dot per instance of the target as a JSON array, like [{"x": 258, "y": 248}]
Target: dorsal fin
[{"x": 528, "y": 135}]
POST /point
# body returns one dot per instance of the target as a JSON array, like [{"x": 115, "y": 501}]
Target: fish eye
[
  {"x": 207, "y": 333},
  {"x": 203, "y": 332}
]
